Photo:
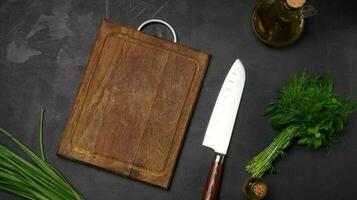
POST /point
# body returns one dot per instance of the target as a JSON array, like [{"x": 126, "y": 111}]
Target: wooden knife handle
[{"x": 214, "y": 179}]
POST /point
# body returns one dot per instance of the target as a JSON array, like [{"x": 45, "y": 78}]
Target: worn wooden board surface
[{"x": 134, "y": 104}]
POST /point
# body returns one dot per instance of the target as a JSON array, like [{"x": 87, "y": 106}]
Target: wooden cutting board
[{"x": 134, "y": 104}]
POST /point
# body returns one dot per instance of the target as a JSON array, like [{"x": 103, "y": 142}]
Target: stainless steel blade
[{"x": 221, "y": 123}]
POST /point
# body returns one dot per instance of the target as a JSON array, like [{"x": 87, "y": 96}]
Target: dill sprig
[{"x": 307, "y": 112}]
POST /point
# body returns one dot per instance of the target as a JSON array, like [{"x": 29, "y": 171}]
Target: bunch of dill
[{"x": 306, "y": 111}]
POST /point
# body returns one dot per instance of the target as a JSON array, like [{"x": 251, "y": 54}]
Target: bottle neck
[
  {"x": 284, "y": 11},
  {"x": 289, "y": 11}
]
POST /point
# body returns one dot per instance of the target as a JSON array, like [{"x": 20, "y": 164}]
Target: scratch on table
[
  {"x": 121, "y": 3},
  {"x": 36, "y": 28},
  {"x": 134, "y": 5},
  {"x": 143, "y": 9},
  {"x": 160, "y": 8},
  {"x": 107, "y": 14},
  {"x": 130, "y": 4},
  {"x": 13, "y": 29}
]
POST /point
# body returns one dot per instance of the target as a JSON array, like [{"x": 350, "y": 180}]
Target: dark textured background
[{"x": 44, "y": 46}]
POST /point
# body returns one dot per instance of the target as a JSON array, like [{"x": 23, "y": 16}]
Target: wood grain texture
[{"x": 134, "y": 104}]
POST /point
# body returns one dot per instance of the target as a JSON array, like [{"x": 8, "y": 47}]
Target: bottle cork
[
  {"x": 255, "y": 188},
  {"x": 295, "y": 3}
]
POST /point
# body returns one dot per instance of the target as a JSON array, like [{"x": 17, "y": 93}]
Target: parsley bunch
[{"x": 307, "y": 112}]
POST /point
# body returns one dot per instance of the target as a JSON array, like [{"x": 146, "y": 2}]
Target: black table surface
[{"x": 45, "y": 46}]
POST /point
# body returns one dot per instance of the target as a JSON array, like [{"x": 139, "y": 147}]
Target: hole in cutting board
[{"x": 158, "y": 30}]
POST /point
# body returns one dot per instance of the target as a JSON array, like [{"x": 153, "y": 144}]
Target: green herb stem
[
  {"x": 41, "y": 134},
  {"x": 306, "y": 112},
  {"x": 34, "y": 179},
  {"x": 263, "y": 162}
]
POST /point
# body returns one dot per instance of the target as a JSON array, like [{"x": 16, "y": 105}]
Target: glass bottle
[{"x": 279, "y": 23}]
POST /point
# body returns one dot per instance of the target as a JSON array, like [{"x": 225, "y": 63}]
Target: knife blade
[{"x": 221, "y": 123}]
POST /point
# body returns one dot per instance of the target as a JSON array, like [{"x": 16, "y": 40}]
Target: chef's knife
[{"x": 220, "y": 126}]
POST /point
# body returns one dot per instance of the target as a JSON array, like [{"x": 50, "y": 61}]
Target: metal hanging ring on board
[{"x": 159, "y": 21}]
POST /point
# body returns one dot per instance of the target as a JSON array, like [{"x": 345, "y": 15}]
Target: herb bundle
[
  {"x": 306, "y": 112},
  {"x": 35, "y": 179}
]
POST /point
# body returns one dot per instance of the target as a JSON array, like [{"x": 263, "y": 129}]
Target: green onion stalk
[
  {"x": 34, "y": 178},
  {"x": 306, "y": 112}
]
